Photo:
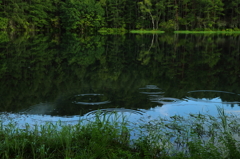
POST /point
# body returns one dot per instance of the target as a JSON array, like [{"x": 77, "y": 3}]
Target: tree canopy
[{"x": 85, "y": 15}]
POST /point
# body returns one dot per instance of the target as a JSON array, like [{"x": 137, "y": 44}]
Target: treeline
[{"x": 86, "y": 15}]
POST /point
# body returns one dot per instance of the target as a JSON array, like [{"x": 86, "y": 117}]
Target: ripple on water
[
  {"x": 151, "y": 90},
  {"x": 164, "y": 100},
  {"x": 213, "y": 96},
  {"x": 117, "y": 110},
  {"x": 90, "y": 99}
]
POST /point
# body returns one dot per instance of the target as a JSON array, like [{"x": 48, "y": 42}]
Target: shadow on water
[
  {"x": 69, "y": 105},
  {"x": 79, "y": 104}
]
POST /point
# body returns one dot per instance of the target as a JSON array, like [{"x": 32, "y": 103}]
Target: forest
[{"x": 92, "y": 15}]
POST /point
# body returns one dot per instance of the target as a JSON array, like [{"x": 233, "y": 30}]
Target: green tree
[
  {"x": 115, "y": 10},
  {"x": 13, "y": 10},
  {"x": 39, "y": 13},
  {"x": 232, "y": 14},
  {"x": 155, "y": 9},
  {"x": 212, "y": 11},
  {"x": 81, "y": 14}
]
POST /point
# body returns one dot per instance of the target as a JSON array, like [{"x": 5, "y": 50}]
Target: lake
[{"x": 47, "y": 78}]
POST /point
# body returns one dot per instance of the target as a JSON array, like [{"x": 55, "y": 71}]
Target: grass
[{"x": 109, "y": 136}]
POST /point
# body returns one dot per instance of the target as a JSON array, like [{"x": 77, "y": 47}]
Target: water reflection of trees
[{"x": 40, "y": 68}]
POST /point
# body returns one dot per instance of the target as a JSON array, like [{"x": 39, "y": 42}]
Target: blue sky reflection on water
[
  {"x": 183, "y": 108},
  {"x": 194, "y": 106}
]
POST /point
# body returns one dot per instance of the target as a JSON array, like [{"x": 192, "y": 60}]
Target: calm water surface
[{"x": 69, "y": 77}]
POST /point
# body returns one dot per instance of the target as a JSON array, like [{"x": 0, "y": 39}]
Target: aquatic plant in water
[{"x": 195, "y": 136}]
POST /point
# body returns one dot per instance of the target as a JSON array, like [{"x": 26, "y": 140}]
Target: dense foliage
[{"x": 85, "y": 15}]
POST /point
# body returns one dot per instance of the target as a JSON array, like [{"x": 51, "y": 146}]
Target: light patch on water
[
  {"x": 150, "y": 87},
  {"x": 40, "y": 109},
  {"x": 164, "y": 111},
  {"x": 21, "y": 120},
  {"x": 235, "y": 112}
]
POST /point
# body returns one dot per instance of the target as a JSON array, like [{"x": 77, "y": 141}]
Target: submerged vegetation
[
  {"x": 89, "y": 15},
  {"x": 113, "y": 136}
]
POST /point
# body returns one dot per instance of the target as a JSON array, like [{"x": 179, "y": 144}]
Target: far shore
[{"x": 123, "y": 31}]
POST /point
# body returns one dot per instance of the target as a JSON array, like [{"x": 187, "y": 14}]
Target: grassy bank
[
  {"x": 122, "y": 31},
  {"x": 106, "y": 31},
  {"x": 145, "y": 31},
  {"x": 113, "y": 137},
  {"x": 207, "y": 32}
]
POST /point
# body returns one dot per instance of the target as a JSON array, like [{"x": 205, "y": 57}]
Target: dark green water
[{"x": 67, "y": 76}]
